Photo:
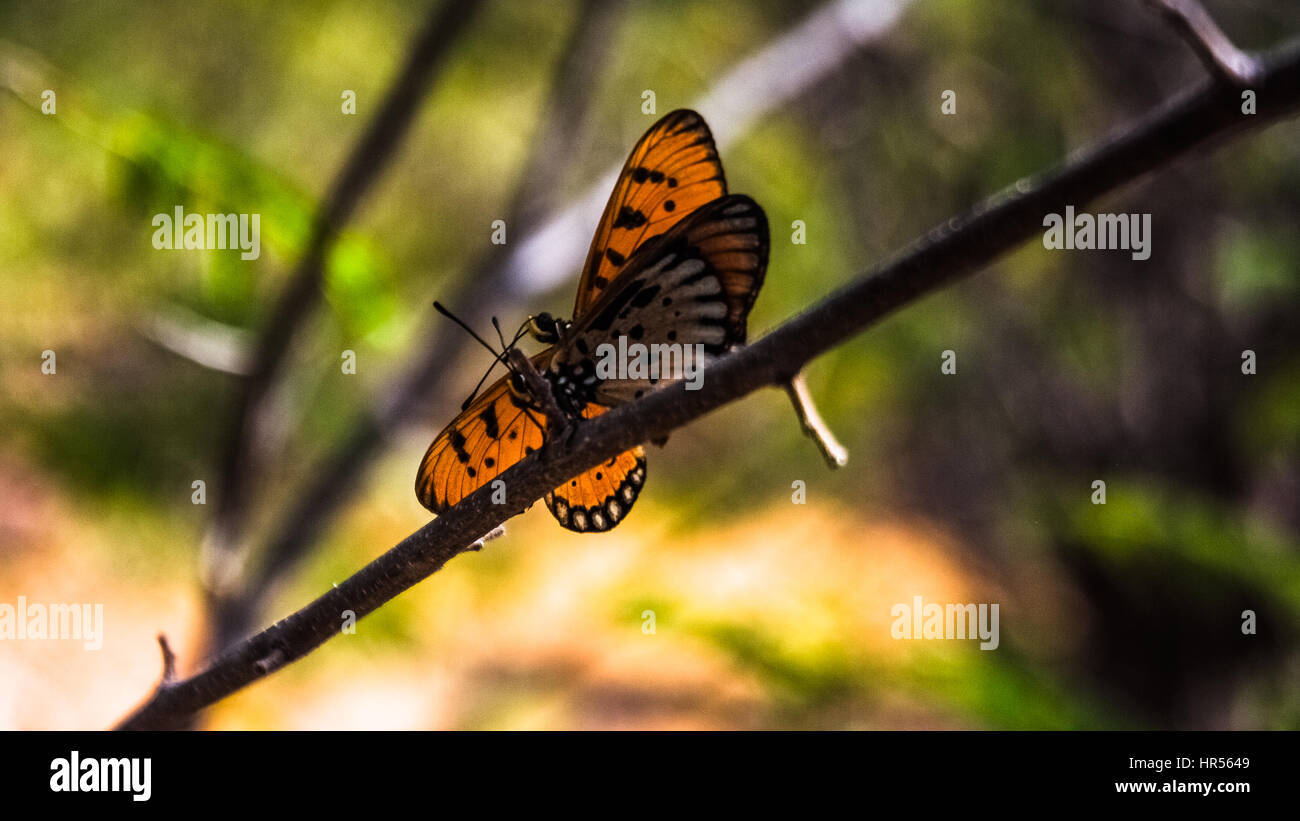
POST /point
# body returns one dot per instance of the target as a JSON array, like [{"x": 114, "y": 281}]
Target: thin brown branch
[
  {"x": 169, "y": 661},
  {"x": 956, "y": 248},
  {"x": 1212, "y": 46},
  {"x": 814, "y": 427},
  {"x": 363, "y": 167},
  {"x": 496, "y": 533}
]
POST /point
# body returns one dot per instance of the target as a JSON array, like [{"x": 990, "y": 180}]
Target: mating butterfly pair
[{"x": 675, "y": 261}]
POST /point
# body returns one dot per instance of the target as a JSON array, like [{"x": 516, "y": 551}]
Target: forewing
[
  {"x": 691, "y": 287},
  {"x": 673, "y": 170},
  {"x": 493, "y": 433}
]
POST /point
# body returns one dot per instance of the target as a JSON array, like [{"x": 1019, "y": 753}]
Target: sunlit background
[{"x": 1072, "y": 367}]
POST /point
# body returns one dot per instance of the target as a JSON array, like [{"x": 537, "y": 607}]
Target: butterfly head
[
  {"x": 546, "y": 329},
  {"x": 519, "y": 387}
]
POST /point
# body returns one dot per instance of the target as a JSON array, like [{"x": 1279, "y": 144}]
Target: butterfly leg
[{"x": 557, "y": 424}]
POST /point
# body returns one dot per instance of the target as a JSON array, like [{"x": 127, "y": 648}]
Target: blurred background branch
[
  {"x": 246, "y": 432},
  {"x": 1212, "y": 46}
]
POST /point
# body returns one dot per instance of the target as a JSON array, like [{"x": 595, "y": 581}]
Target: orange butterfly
[{"x": 675, "y": 261}]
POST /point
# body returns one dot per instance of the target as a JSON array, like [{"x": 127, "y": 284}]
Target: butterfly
[{"x": 675, "y": 261}]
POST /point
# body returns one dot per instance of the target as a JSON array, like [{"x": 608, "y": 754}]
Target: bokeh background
[{"x": 974, "y": 487}]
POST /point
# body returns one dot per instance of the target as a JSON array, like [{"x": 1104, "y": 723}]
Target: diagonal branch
[
  {"x": 369, "y": 158},
  {"x": 958, "y": 247}
]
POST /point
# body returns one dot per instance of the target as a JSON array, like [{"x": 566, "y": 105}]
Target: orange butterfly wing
[
  {"x": 600, "y": 498},
  {"x": 493, "y": 433},
  {"x": 663, "y": 296},
  {"x": 673, "y": 170}
]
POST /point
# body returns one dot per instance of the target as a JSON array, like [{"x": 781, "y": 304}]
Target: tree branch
[
  {"x": 168, "y": 660},
  {"x": 816, "y": 429},
  {"x": 956, "y": 248}
]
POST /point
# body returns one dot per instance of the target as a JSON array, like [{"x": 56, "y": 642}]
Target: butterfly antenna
[
  {"x": 501, "y": 356},
  {"x": 519, "y": 334},
  {"x": 500, "y": 336},
  {"x": 442, "y": 309},
  {"x": 474, "y": 393}
]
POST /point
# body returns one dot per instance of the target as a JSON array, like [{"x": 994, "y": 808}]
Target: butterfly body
[{"x": 673, "y": 271}]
